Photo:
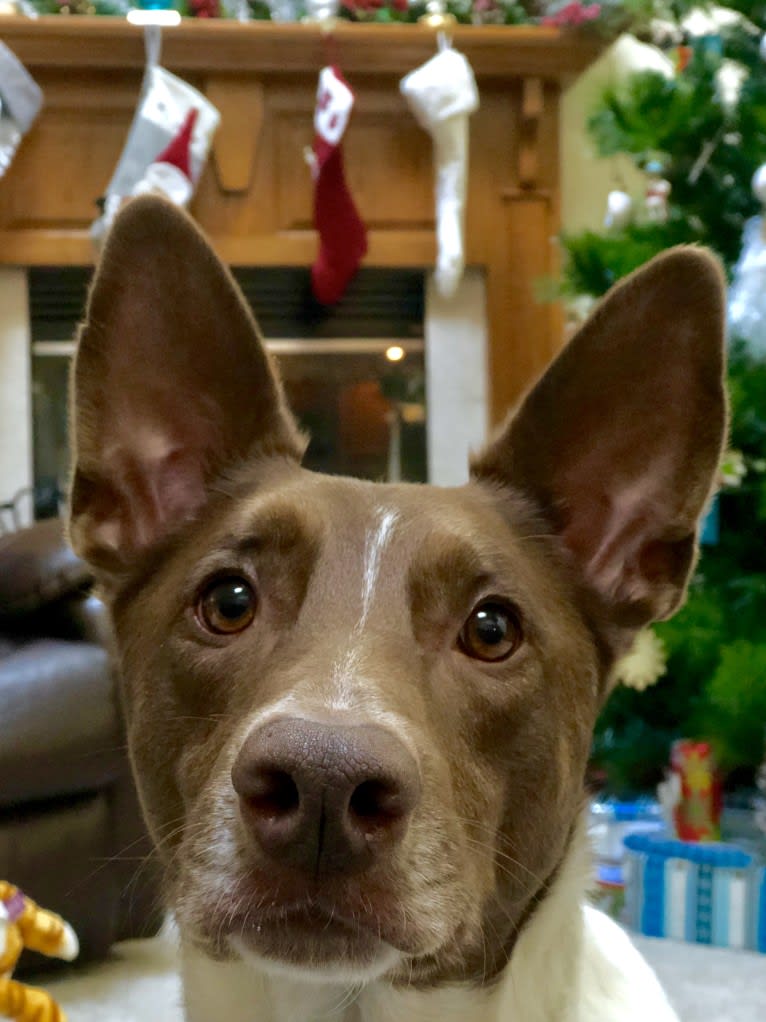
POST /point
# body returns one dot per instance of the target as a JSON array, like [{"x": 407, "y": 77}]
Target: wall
[
  {"x": 15, "y": 386},
  {"x": 586, "y": 179},
  {"x": 456, "y": 377}
]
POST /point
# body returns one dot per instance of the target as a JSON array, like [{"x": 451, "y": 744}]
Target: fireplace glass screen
[{"x": 354, "y": 376}]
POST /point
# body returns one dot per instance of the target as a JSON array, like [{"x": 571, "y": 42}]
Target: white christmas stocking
[
  {"x": 20, "y": 102},
  {"x": 441, "y": 94},
  {"x": 168, "y": 141}
]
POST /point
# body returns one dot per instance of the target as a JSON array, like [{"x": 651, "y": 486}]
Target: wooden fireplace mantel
[{"x": 254, "y": 199}]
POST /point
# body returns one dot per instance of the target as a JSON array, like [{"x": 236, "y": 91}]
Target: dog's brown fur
[{"x": 582, "y": 513}]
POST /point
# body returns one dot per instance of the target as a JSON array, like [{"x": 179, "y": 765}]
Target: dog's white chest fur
[
  {"x": 571, "y": 964},
  {"x": 594, "y": 976}
]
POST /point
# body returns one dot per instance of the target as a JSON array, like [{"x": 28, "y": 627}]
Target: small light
[
  {"x": 155, "y": 16},
  {"x": 395, "y": 353}
]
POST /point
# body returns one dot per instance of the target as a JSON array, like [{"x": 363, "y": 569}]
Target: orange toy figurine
[{"x": 24, "y": 924}]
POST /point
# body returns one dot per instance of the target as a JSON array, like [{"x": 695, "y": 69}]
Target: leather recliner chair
[{"x": 71, "y": 834}]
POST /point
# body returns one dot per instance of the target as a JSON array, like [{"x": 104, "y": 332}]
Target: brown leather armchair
[{"x": 71, "y": 834}]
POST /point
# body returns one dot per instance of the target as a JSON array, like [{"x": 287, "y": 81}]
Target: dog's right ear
[
  {"x": 619, "y": 443},
  {"x": 171, "y": 387}
]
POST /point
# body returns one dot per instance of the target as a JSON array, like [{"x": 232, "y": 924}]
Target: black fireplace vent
[{"x": 378, "y": 303}]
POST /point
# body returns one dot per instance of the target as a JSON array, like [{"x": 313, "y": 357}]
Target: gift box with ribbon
[{"x": 708, "y": 893}]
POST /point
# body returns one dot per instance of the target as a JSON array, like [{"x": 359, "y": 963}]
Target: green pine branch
[
  {"x": 715, "y": 685},
  {"x": 709, "y": 151}
]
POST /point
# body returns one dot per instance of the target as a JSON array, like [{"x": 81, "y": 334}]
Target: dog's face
[{"x": 360, "y": 714}]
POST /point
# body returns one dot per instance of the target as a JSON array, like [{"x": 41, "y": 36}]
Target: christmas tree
[{"x": 698, "y": 132}]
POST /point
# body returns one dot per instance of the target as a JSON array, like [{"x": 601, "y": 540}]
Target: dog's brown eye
[
  {"x": 492, "y": 632},
  {"x": 227, "y": 605}
]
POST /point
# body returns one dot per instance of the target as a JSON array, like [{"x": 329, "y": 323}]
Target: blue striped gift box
[{"x": 706, "y": 893}]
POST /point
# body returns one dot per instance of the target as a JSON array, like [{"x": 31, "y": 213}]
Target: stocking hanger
[
  {"x": 155, "y": 17},
  {"x": 438, "y": 17}
]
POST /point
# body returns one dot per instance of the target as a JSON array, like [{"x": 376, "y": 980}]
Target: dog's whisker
[{"x": 494, "y": 854}]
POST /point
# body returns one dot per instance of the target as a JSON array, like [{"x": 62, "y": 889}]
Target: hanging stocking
[
  {"x": 342, "y": 235},
  {"x": 441, "y": 94},
  {"x": 166, "y": 148},
  {"x": 169, "y": 174},
  {"x": 20, "y": 102}
]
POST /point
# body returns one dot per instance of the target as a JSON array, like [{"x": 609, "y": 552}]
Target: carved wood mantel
[{"x": 255, "y": 197}]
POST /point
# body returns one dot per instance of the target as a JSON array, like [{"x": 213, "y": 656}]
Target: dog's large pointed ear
[
  {"x": 620, "y": 441},
  {"x": 171, "y": 386}
]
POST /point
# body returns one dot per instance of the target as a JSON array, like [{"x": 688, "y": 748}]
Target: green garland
[
  {"x": 501, "y": 12},
  {"x": 608, "y": 17},
  {"x": 111, "y": 8}
]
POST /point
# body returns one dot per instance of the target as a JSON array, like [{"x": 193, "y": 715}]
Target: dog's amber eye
[
  {"x": 227, "y": 605},
  {"x": 492, "y": 632}
]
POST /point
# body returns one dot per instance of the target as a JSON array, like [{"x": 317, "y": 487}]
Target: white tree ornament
[{"x": 619, "y": 209}]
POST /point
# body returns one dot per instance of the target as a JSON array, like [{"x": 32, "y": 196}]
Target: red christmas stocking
[{"x": 342, "y": 235}]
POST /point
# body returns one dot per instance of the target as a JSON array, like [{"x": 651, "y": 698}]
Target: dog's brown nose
[{"x": 325, "y": 798}]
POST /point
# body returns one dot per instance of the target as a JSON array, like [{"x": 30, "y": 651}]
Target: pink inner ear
[
  {"x": 175, "y": 490},
  {"x": 153, "y": 483},
  {"x": 609, "y": 535}
]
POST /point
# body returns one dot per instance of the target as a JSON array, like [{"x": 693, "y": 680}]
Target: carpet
[
  {"x": 139, "y": 983},
  {"x": 709, "y": 984}
]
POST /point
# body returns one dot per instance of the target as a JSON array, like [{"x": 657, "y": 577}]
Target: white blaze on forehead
[
  {"x": 375, "y": 543},
  {"x": 346, "y": 666}
]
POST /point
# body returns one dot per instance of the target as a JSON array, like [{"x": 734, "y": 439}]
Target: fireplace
[
  {"x": 390, "y": 384},
  {"x": 477, "y": 352}
]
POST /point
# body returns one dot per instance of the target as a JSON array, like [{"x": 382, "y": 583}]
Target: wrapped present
[
  {"x": 697, "y": 812},
  {"x": 710, "y": 893}
]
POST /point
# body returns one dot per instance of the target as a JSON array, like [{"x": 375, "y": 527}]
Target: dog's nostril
[
  {"x": 274, "y": 793},
  {"x": 376, "y": 803}
]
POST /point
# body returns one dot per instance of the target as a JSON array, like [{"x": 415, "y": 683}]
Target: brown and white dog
[{"x": 360, "y": 714}]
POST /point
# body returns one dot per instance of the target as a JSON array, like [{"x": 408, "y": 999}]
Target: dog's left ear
[
  {"x": 620, "y": 441},
  {"x": 171, "y": 387}
]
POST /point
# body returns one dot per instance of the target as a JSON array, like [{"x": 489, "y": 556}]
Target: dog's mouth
[
  {"x": 353, "y": 931},
  {"x": 314, "y": 936}
]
